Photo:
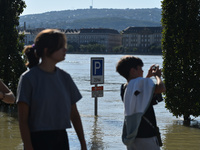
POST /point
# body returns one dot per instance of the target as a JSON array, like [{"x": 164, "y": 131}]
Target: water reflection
[
  {"x": 182, "y": 136},
  {"x": 97, "y": 136},
  {"x": 193, "y": 123},
  {"x": 10, "y": 111},
  {"x": 9, "y": 129}
]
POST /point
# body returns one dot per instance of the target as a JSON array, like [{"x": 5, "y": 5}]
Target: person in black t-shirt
[{"x": 130, "y": 67}]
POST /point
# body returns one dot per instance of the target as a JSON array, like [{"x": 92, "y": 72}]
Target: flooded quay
[{"x": 103, "y": 132}]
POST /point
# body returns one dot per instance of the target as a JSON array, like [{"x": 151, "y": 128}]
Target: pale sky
[{"x": 41, "y": 6}]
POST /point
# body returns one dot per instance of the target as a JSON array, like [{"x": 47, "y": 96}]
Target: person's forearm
[
  {"x": 23, "y": 114},
  {"x": 76, "y": 121},
  {"x": 79, "y": 129},
  {"x": 7, "y": 97},
  {"x": 25, "y": 134},
  {"x": 5, "y": 94},
  {"x": 148, "y": 76},
  {"x": 160, "y": 86}
]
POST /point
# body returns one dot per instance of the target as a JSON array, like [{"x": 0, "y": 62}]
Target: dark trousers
[{"x": 50, "y": 140}]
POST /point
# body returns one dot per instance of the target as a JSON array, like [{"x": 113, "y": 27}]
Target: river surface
[{"x": 104, "y": 131}]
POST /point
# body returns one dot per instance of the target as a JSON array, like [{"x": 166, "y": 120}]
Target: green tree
[
  {"x": 92, "y": 48},
  {"x": 73, "y": 47},
  {"x": 155, "y": 49},
  {"x": 11, "y": 43},
  {"x": 181, "y": 54},
  {"x": 70, "y": 48},
  {"x": 117, "y": 49}
]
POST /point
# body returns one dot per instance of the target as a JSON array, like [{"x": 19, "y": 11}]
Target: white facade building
[
  {"x": 110, "y": 38},
  {"x": 141, "y": 37}
]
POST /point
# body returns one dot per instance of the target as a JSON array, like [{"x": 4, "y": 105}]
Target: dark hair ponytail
[
  {"x": 51, "y": 39},
  {"x": 30, "y": 52}
]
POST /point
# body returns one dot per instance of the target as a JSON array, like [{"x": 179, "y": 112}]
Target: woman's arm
[
  {"x": 76, "y": 121},
  {"x": 23, "y": 111},
  {"x": 5, "y": 94}
]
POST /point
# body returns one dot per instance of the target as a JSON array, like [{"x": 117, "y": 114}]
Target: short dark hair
[{"x": 126, "y": 63}]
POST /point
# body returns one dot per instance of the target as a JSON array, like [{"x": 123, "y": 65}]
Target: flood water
[{"x": 104, "y": 131}]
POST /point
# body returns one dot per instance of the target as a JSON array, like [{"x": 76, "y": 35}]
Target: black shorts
[{"x": 50, "y": 140}]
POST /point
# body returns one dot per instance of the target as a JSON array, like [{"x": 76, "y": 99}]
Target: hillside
[{"x": 118, "y": 19}]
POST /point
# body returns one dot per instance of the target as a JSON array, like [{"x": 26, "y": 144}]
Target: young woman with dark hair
[{"x": 47, "y": 96}]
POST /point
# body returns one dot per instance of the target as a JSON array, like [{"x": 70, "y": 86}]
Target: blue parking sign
[
  {"x": 97, "y": 67},
  {"x": 97, "y": 70}
]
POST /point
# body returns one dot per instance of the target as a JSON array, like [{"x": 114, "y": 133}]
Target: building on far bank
[
  {"x": 72, "y": 35},
  {"x": 110, "y": 38},
  {"x": 132, "y": 39},
  {"x": 141, "y": 38},
  {"x": 29, "y": 35}
]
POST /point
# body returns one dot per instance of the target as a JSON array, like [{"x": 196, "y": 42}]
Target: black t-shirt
[{"x": 145, "y": 130}]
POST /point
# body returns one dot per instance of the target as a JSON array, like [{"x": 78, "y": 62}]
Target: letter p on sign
[{"x": 97, "y": 70}]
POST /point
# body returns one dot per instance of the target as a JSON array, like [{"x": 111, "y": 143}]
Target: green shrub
[
  {"x": 11, "y": 43},
  {"x": 181, "y": 55}
]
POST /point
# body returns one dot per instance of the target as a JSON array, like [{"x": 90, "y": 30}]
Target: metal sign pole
[
  {"x": 97, "y": 77},
  {"x": 95, "y": 102}
]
